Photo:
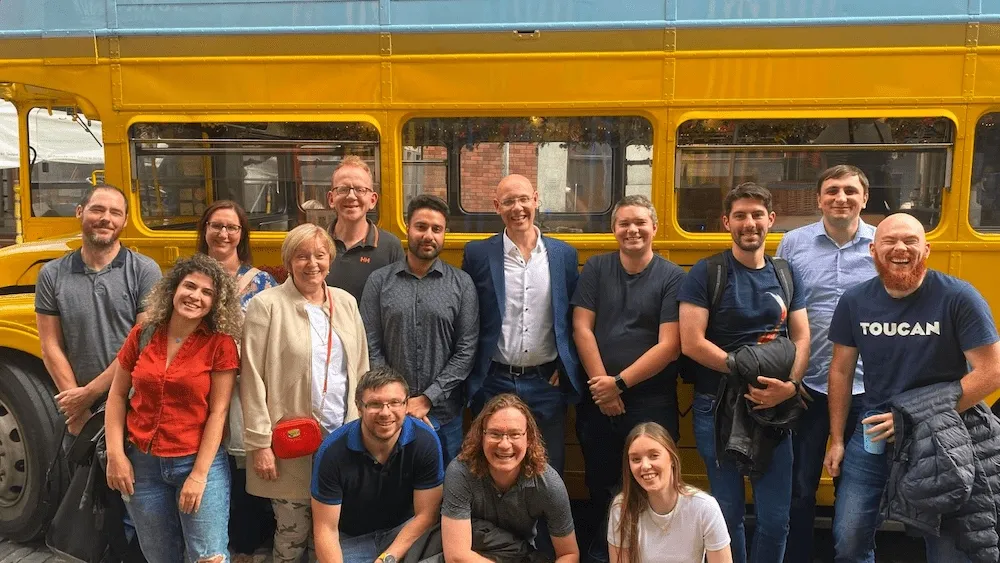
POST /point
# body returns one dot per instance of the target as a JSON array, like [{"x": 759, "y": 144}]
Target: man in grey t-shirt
[
  {"x": 500, "y": 486},
  {"x": 87, "y": 301}
]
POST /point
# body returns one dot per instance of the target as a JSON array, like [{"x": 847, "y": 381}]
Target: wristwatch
[
  {"x": 620, "y": 383},
  {"x": 387, "y": 558}
]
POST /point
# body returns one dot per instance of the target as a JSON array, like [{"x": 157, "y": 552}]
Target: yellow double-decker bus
[{"x": 181, "y": 103}]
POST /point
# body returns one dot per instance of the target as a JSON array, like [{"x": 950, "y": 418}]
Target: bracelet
[{"x": 196, "y": 480}]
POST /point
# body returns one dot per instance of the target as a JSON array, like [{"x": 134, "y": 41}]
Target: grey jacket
[{"x": 945, "y": 473}]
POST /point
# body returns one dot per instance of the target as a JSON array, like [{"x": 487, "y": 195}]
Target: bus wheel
[{"x": 30, "y": 428}]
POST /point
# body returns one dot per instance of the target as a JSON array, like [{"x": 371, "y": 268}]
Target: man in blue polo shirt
[{"x": 376, "y": 485}]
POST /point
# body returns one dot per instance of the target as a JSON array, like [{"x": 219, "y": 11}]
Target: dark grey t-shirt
[
  {"x": 630, "y": 309},
  {"x": 352, "y": 266},
  {"x": 96, "y": 309},
  {"x": 517, "y": 510}
]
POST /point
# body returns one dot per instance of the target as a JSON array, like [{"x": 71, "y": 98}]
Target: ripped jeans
[{"x": 167, "y": 535}]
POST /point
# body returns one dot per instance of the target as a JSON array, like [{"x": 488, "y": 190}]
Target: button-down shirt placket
[{"x": 527, "y": 335}]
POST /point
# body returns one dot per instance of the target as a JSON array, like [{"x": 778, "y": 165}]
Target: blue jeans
[
  {"x": 365, "y": 548},
  {"x": 450, "y": 435},
  {"x": 772, "y": 492},
  {"x": 856, "y": 511},
  {"x": 809, "y": 447},
  {"x": 602, "y": 439},
  {"x": 167, "y": 535},
  {"x": 545, "y": 401}
]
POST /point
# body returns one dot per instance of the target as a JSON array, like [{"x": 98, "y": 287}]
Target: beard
[
  {"x": 99, "y": 240},
  {"x": 750, "y": 246},
  {"x": 416, "y": 248},
  {"x": 896, "y": 280}
]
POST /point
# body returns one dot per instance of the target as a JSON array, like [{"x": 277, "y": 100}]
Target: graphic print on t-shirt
[{"x": 773, "y": 332}]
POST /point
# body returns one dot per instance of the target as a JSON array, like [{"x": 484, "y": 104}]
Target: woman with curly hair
[
  {"x": 500, "y": 486},
  {"x": 657, "y": 516},
  {"x": 224, "y": 234},
  {"x": 181, "y": 364}
]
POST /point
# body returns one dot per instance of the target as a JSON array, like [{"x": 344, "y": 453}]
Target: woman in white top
[{"x": 657, "y": 516}]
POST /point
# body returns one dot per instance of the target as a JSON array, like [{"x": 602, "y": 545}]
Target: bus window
[
  {"x": 907, "y": 162},
  {"x": 579, "y": 165},
  {"x": 9, "y": 162},
  {"x": 66, "y": 151},
  {"x": 984, "y": 200},
  {"x": 279, "y": 172}
]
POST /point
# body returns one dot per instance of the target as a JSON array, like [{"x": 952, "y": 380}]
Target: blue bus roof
[{"x": 55, "y": 18}]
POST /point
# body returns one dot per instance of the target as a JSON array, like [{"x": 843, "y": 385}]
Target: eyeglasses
[
  {"x": 344, "y": 190},
  {"x": 377, "y": 406},
  {"x": 498, "y": 436},
  {"x": 219, "y": 227},
  {"x": 509, "y": 202}
]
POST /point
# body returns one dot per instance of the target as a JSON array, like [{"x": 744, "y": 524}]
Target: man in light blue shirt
[{"x": 830, "y": 256}]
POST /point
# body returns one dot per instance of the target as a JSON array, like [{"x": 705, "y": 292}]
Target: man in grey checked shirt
[{"x": 422, "y": 319}]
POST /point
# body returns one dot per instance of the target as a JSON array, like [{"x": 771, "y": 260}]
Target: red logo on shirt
[{"x": 365, "y": 259}]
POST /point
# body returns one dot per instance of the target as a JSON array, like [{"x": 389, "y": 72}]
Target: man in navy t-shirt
[
  {"x": 376, "y": 484},
  {"x": 753, "y": 310},
  {"x": 912, "y": 327}
]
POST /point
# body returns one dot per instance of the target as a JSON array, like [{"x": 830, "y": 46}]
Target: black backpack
[{"x": 718, "y": 270}]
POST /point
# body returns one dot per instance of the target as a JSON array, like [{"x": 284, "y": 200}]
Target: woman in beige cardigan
[{"x": 304, "y": 348}]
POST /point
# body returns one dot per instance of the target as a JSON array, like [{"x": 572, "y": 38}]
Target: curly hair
[
  {"x": 633, "y": 498},
  {"x": 225, "y": 316},
  {"x": 472, "y": 446}
]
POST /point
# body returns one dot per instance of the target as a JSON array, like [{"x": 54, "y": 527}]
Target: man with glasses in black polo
[{"x": 362, "y": 247}]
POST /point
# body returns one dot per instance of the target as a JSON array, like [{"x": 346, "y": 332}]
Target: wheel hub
[{"x": 13, "y": 459}]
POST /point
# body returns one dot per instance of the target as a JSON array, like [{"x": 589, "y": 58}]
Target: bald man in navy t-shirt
[{"x": 912, "y": 327}]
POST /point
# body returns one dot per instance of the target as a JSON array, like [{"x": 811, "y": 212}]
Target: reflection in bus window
[
  {"x": 984, "y": 200},
  {"x": 579, "y": 165},
  {"x": 66, "y": 150},
  {"x": 907, "y": 162},
  {"x": 279, "y": 172}
]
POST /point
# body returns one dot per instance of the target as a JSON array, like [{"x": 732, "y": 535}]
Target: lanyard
[{"x": 329, "y": 342}]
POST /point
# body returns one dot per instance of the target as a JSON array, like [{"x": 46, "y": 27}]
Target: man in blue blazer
[{"x": 525, "y": 282}]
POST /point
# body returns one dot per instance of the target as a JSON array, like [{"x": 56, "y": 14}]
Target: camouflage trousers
[{"x": 293, "y": 531}]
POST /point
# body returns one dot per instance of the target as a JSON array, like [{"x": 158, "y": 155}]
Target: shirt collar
[
  {"x": 356, "y": 443},
  {"x": 865, "y": 232},
  {"x": 404, "y": 268},
  {"x": 203, "y": 328},
  {"x": 78, "y": 267},
  {"x": 510, "y": 248},
  {"x": 371, "y": 237}
]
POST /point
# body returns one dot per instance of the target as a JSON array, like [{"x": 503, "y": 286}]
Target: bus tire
[{"x": 30, "y": 431}]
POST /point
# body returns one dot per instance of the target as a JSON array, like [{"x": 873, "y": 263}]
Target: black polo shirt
[
  {"x": 351, "y": 267},
  {"x": 373, "y": 496}
]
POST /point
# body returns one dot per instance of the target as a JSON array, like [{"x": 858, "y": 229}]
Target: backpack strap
[
  {"x": 784, "y": 273},
  {"x": 718, "y": 270}
]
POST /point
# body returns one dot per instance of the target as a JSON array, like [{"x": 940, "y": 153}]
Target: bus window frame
[
  {"x": 491, "y": 221},
  {"x": 947, "y": 196},
  {"x": 974, "y": 119},
  {"x": 201, "y": 119}
]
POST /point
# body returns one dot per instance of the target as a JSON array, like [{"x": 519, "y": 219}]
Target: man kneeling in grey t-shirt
[{"x": 498, "y": 488}]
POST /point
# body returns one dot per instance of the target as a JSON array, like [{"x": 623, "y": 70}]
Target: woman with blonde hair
[
  {"x": 304, "y": 348},
  {"x": 657, "y": 516},
  {"x": 181, "y": 364}
]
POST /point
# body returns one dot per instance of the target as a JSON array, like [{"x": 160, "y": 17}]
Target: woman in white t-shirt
[{"x": 665, "y": 519}]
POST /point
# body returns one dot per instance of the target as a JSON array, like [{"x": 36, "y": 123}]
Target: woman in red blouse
[{"x": 172, "y": 472}]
